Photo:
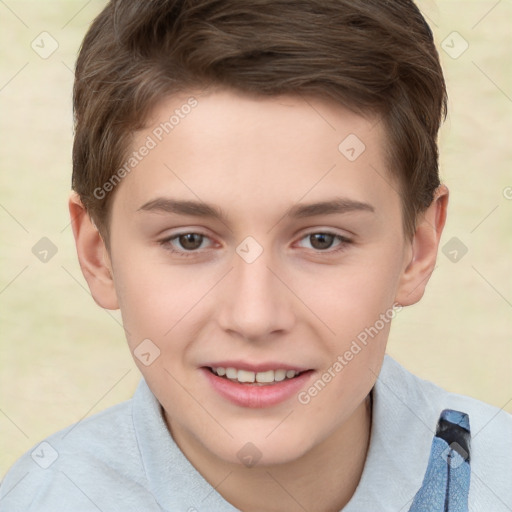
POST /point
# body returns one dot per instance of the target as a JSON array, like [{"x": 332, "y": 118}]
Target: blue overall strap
[{"x": 445, "y": 486}]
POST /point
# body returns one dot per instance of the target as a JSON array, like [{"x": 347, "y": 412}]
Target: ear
[
  {"x": 422, "y": 253},
  {"x": 92, "y": 255}
]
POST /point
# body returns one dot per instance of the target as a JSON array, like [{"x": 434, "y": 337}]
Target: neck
[{"x": 323, "y": 479}]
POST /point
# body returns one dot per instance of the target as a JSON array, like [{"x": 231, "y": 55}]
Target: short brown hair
[{"x": 373, "y": 56}]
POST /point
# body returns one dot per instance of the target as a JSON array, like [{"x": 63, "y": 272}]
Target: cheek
[
  {"x": 151, "y": 300},
  {"x": 154, "y": 307},
  {"x": 359, "y": 312},
  {"x": 357, "y": 296},
  {"x": 358, "y": 309}
]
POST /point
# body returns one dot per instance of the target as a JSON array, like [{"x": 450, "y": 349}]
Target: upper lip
[{"x": 256, "y": 367}]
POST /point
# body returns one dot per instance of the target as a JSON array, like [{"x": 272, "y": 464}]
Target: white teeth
[
  {"x": 245, "y": 376},
  {"x": 279, "y": 375},
  {"x": 231, "y": 373},
  {"x": 266, "y": 377}
]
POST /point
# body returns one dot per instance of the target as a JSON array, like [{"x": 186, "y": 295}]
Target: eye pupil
[
  {"x": 322, "y": 238},
  {"x": 187, "y": 241}
]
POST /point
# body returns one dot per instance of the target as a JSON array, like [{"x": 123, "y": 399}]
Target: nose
[{"x": 256, "y": 299}]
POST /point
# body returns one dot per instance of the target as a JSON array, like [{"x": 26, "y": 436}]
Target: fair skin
[{"x": 299, "y": 302}]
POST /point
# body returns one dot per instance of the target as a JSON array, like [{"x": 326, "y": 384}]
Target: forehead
[{"x": 240, "y": 151}]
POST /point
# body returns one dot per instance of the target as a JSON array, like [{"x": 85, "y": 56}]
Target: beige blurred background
[{"x": 63, "y": 358}]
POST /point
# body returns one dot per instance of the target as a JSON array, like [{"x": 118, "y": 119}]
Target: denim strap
[{"x": 445, "y": 486}]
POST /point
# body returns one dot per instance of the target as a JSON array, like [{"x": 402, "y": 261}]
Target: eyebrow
[{"x": 337, "y": 205}]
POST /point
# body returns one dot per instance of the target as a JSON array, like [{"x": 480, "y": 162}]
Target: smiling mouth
[{"x": 265, "y": 378}]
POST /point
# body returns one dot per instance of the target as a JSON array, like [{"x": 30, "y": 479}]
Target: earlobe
[
  {"x": 422, "y": 253},
  {"x": 92, "y": 255}
]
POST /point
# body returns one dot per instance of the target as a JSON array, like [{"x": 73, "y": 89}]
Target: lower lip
[{"x": 256, "y": 396}]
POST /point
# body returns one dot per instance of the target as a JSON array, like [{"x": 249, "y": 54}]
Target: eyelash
[{"x": 186, "y": 254}]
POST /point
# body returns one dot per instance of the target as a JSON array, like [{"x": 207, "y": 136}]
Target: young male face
[{"x": 258, "y": 292}]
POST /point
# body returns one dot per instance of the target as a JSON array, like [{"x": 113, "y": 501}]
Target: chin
[{"x": 258, "y": 450}]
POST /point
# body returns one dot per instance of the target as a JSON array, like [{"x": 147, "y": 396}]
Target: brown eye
[
  {"x": 190, "y": 241},
  {"x": 184, "y": 244},
  {"x": 321, "y": 240}
]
